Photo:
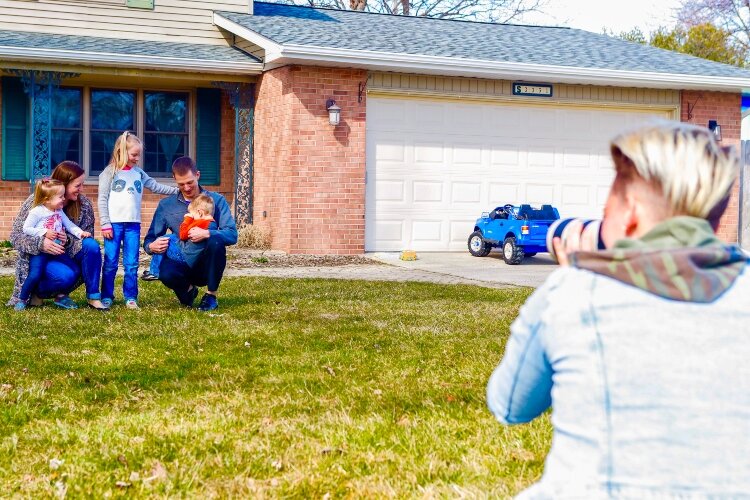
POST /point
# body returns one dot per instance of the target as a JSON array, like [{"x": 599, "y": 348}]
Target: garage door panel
[
  {"x": 467, "y": 119},
  {"x": 541, "y": 158},
  {"x": 389, "y": 191},
  {"x": 427, "y": 230},
  {"x": 432, "y": 174},
  {"x": 428, "y": 192},
  {"x": 505, "y": 155},
  {"x": 466, "y": 192},
  {"x": 502, "y": 193},
  {"x": 430, "y": 116},
  {"x": 467, "y": 153}
]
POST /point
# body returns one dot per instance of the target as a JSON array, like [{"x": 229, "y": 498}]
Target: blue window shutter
[
  {"x": 208, "y": 147},
  {"x": 15, "y": 138}
]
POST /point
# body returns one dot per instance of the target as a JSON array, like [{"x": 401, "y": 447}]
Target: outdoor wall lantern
[
  {"x": 334, "y": 112},
  {"x": 714, "y": 127}
]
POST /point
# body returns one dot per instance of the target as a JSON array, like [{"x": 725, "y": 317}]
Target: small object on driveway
[
  {"x": 408, "y": 255},
  {"x": 521, "y": 231}
]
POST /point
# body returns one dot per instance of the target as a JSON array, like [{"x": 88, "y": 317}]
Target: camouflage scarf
[{"x": 679, "y": 259}]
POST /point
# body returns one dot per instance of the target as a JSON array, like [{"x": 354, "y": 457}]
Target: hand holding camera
[{"x": 566, "y": 236}]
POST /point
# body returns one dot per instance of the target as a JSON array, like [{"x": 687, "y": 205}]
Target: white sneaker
[{"x": 131, "y": 304}]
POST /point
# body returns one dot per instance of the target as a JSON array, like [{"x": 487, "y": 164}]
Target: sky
[{"x": 616, "y": 15}]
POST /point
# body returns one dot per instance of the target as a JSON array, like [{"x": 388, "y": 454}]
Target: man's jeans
[
  {"x": 207, "y": 271},
  {"x": 127, "y": 235},
  {"x": 153, "y": 267}
]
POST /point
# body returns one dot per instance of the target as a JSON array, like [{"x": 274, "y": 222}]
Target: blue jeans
[
  {"x": 89, "y": 259},
  {"x": 58, "y": 272},
  {"x": 153, "y": 268},
  {"x": 128, "y": 236},
  {"x": 174, "y": 251}
]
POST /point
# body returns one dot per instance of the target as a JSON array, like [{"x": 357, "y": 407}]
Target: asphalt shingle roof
[
  {"x": 119, "y": 46},
  {"x": 553, "y": 46}
]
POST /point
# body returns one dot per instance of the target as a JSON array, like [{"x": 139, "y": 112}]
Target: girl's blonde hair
[
  {"x": 202, "y": 202},
  {"x": 120, "y": 151},
  {"x": 45, "y": 189},
  {"x": 694, "y": 173}
]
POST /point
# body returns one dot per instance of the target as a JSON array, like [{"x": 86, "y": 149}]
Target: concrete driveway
[{"x": 461, "y": 265}]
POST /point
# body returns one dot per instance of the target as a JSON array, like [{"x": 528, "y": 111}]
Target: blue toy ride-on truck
[{"x": 521, "y": 231}]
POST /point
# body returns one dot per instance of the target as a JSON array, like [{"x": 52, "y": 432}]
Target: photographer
[{"x": 642, "y": 349}]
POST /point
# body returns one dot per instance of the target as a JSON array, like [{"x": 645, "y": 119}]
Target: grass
[{"x": 296, "y": 388}]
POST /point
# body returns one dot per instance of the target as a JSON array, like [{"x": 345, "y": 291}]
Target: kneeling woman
[{"x": 61, "y": 277}]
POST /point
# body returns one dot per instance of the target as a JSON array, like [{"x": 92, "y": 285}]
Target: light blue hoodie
[{"x": 650, "y": 396}]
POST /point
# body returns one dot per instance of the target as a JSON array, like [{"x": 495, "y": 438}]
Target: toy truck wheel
[
  {"x": 512, "y": 253},
  {"x": 477, "y": 246}
]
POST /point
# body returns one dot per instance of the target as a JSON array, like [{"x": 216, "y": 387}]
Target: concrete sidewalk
[{"x": 484, "y": 271}]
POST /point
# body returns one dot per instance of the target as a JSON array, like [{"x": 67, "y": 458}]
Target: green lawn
[{"x": 297, "y": 388}]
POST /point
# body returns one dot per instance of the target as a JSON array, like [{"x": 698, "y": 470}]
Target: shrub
[{"x": 254, "y": 237}]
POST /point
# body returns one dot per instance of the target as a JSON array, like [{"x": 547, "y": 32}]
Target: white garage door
[{"x": 434, "y": 165}]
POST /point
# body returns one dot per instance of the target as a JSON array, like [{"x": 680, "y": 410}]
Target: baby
[{"x": 200, "y": 214}]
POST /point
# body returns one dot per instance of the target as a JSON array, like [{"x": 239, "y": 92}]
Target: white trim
[
  {"x": 449, "y": 66},
  {"x": 251, "y": 36},
  {"x": 128, "y": 60}
]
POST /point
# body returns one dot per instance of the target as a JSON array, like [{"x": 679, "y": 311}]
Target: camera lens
[{"x": 591, "y": 238}]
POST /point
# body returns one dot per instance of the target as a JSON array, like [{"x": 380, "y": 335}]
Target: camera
[{"x": 591, "y": 234}]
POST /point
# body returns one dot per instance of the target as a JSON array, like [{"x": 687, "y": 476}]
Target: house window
[
  {"x": 166, "y": 130},
  {"x": 112, "y": 112},
  {"x": 67, "y": 126}
]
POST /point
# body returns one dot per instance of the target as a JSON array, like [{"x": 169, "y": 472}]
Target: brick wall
[
  {"x": 309, "y": 176},
  {"x": 725, "y": 108},
  {"x": 12, "y": 194}
]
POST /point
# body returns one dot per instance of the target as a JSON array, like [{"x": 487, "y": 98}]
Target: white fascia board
[
  {"x": 129, "y": 61},
  {"x": 251, "y": 36},
  {"x": 449, "y": 66}
]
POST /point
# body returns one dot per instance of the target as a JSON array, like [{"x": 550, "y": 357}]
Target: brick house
[{"x": 439, "y": 120}]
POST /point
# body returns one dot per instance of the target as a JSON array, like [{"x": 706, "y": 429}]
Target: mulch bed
[{"x": 242, "y": 258}]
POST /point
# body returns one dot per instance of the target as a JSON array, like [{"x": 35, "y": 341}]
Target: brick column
[
  {"x": 309, "y": 177},
  {"x": 726, "y": 109}
]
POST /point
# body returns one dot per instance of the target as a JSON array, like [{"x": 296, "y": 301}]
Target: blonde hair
[
  {"x": 120, "y": 151},
  {"x": 45, "y": 189},
  {"x": 202, "y": 202},
  {"x": 685, "y": 162}
]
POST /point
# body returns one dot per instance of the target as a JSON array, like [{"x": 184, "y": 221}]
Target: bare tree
[
  {"x": 732, "y": 16},
  {"x": 501, "y": 11}
]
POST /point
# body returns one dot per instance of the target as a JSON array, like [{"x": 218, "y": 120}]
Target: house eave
[
  {"x": 24, "y": 54},
  {"x": 283, "y": 55}
]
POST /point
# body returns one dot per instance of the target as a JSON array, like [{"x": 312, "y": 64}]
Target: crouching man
[{"x": 206, "y": 266}]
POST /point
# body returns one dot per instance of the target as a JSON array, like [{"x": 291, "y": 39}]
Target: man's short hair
[{"x": 183, "y": 165}]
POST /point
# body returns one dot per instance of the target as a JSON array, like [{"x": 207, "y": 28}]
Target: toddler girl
[
  {"x": 121, "y": 187},
  {"x": 46, "y": 219}
]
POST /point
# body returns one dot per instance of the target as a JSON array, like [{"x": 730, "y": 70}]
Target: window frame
[
  {"x": 81, "y": 130},
  {"x": 89, "y": 130},
  {"x": 140, "y": 119},
  {"x": 188, "y": 125}
]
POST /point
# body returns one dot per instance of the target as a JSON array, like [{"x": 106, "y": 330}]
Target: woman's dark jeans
[{"x": 89, "y": 259}]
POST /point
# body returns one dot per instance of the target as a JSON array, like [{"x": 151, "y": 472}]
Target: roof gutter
[
  {"x": 302, "y": 54},
  {"x": 128, "y": 60}
]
